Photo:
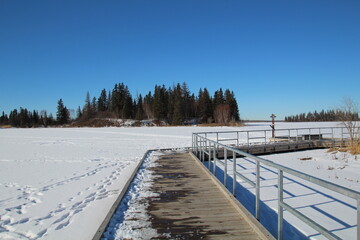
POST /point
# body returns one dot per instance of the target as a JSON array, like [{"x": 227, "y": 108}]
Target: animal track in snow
[{"x": 62, "y": 225}]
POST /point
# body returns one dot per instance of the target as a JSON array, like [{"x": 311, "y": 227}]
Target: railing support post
[
  {"x": 248, "y": 141},
  {"x": 209, "y": 163},
  {"x": 214, "y": 169},
  {"x": 257, "y": 209},
  {"x": 237, "y": 138},
  {"x": 358, "y": 219},
  {"x": 265, "y": 136},
  {"x": 234, "y": 174},
  {"x": 202, "y": 150},
  {"x": 280, "y": 208},
  {"x": 225, "y": 170},
  {"x": 297, "y": 135},
  {"x": 289, "y": 135}
]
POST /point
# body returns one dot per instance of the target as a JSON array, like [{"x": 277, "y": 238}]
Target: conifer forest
[{"x": 174, "y": 105}]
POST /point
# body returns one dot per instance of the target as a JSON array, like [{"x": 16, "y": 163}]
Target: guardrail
[
  {"x": 204, "y": 147},
  {"x": 251, "y": 137}
]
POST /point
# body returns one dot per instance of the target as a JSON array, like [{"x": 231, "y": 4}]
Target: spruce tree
[
  {"x": 231, "y": 101},
  {"x": 178, "y": 116},
  {"x": 102, "y": 104},
  {"x": 139, "y": 109},
  {"x": 205, "y": 106},
  {"x": 62, "y": 114}
]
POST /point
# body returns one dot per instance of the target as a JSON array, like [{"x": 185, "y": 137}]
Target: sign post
[{"x": 273, "y": 124}]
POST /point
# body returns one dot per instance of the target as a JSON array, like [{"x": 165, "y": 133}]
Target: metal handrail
[
  {"x": 278, "y": 129},
  {"x": 200, "y": 143}
]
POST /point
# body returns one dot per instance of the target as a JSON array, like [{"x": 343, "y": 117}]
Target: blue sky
[{"x": 282, "y": 57}]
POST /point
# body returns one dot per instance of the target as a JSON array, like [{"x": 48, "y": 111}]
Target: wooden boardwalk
[{"x": 193, "y": 205}]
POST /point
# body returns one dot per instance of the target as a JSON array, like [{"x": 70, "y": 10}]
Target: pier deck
[{"x": 193, "y": 205}]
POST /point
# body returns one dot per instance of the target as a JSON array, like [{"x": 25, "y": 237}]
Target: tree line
[
  {"x": 25, "y": 118},
  {"x": 175, "y": 105},
  {"x": 323, "y": 116}
]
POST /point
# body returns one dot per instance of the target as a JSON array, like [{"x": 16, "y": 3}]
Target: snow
[
  {"x": 131, "y": 220},
  {"x": 56, "y": 182},
  {"x": 333, "y": 211}
]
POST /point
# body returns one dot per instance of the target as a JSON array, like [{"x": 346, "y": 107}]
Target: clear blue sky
[{"x": 284, "y": 57}]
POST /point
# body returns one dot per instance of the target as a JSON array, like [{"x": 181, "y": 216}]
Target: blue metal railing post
[{"x": 280, "y": 208}]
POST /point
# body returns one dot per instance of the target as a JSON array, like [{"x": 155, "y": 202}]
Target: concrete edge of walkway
[{"x": 254, "y": 223}]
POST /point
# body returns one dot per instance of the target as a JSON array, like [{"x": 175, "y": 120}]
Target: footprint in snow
[
  {"x": 62, "y": 218},
  {"x": 24, "y": 220},
  {"x": 61, "y": 226},
  {"x": 42, "y": 233}
]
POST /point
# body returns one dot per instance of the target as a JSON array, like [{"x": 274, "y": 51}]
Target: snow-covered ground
[
  {"x": 59, "y": 183},
  {"x": 333, "y": 211}
]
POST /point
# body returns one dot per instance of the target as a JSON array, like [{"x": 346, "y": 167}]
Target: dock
[
  {"x": 192, "y": 204},
  {"x": 278, "y": 147}
]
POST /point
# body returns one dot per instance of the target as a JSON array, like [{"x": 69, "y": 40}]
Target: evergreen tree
[
  {"x": 35, "y": 118},
  {"x": 160, "y": 102},
  {"x": 87, "y": 112},
  {"x": 4, "y": 119},
  {"x": 186, "y": 101},
  {"x": 231, "y": 101},
  {"x": 205, "y": 106},
  {"x": 139, "y": 109},
  {"x": 102, "y": 103},
  {"x": 148, "y": 106},
  {"x": 178, "y": 116},
  {"x": 218, "y": 97},
  {"x": 78, "y": 113},
  {"x": 109, "y": 101},
  {"x": 62, "y": 114},
  {"x": 127, "y": 107},
  {"x": 93, "y": 106}
]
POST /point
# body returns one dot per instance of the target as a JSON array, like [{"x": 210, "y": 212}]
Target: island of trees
[{"x": 174, "y": 105}]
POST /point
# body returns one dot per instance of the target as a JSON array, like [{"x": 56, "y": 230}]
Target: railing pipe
[
  {"x": 234, "y": 173},
  {"x": 214, "y": 168},
  {"x": 248, "y": 143},
  {"x": 280, "y": 206},
  {"x": 358, "y": 219},
  {"x": 257, "y": 208},
  {"x": 225, "y": 170},
  {"x": 209, "y": 156}
]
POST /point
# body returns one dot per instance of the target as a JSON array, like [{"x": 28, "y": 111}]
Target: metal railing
[
  {"x": 207, "y": 149},
  {"x": 255, "y": 137}
]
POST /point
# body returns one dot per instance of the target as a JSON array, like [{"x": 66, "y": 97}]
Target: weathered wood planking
[
  {"x": 191, "y": 205},
  {"x": 279, "y": 147}
]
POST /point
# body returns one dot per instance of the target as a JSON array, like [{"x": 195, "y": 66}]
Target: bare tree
[
  {"x": 349, "y": 116},
  {"x": 148, "y": 111},
  {"x": 44, "y": 117},
  {"x": 222, "y": 113}
]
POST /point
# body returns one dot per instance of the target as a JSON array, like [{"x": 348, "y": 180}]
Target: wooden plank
[
  {"x": 191, "y": 206},
  {"x": 280, "y": 147}
]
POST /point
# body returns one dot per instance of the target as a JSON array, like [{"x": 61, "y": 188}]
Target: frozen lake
[{"x": 56, "y": 182}]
